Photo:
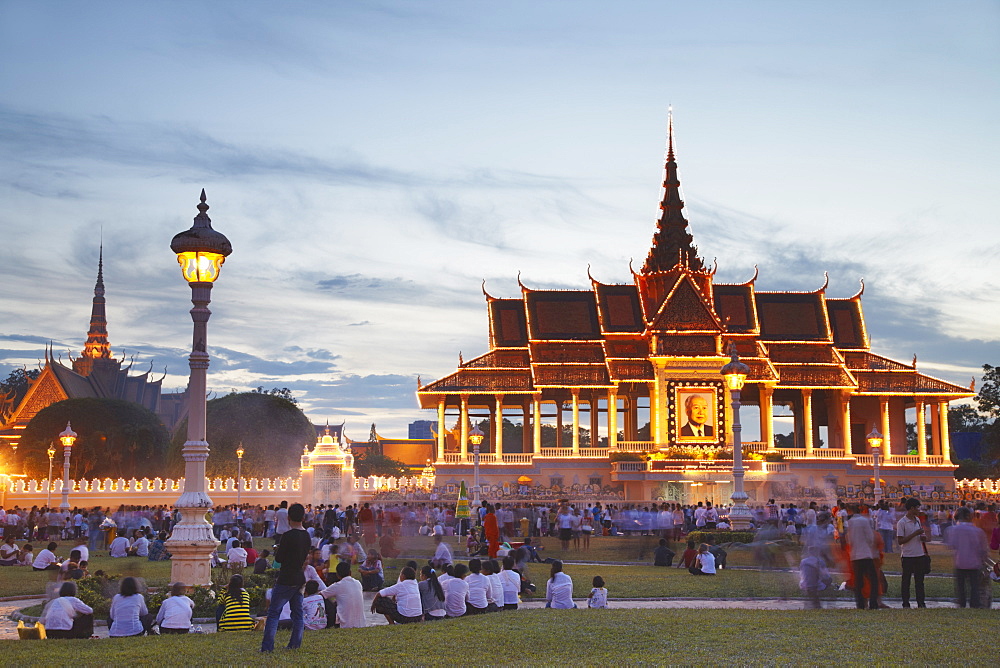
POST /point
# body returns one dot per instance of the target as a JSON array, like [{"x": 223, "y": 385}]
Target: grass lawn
[{"x": 580, "y": 637}]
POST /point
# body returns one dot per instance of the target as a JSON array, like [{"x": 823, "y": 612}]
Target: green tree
[
  {"x": 272, "y": 429},
  {"x": 282, "y": 392},
  {"x": 116, "y": 439},
  {"x": 372, "y": 462},
  {"x": 989, "y": 392},
  {"x": 965, "y": 418}
]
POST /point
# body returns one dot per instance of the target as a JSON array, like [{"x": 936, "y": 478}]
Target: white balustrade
[
  {"x": 864, "y": 460},
  {"x": 517, "y": 458},
  {"x": 556, "y": 452},
  {"x": 793, "y": 453},
  {"x": 593, "y": 452},
  {"x": 636, "y": 446},
  {"x": 828, "y": 453}
]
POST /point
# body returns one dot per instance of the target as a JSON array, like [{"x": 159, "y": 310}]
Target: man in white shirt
[
  {"x": 442, "y": 555},
  {"x": 912, "y": 552},
  {"x": 237, "y": 556},
  {"x": 407, "y": 595},
  {"x": 46, "y": 559},
  {"x": 140, "y": 547},
  {"x": 281, "y": 520},
  {"x": 352, "y": 552},
  {"x": 84, "y": 552},
  {"x": 349, "y": 597},
  {"x": 119, "y": 547},
  {"x": 885, "y": 523}
]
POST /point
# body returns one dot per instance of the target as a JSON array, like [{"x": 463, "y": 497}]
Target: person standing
[
  {"x": 884, "y": 521},
  {"x": 491, "y": 531},
  {"x": 281, "y": 521},
  {"x": 969, "y": 543},
  {"x": 291, "y": 552},
  {"x": 913, "y": 552},
  {"x": 861, "y": 541}
]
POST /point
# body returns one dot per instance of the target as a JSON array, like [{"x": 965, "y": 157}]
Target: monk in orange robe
[{"x": 491, "y": 530}]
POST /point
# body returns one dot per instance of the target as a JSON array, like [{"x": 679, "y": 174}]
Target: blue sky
[{"x": 372, "y": 163}]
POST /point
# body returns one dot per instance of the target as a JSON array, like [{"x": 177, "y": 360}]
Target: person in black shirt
[{"x": 291, "y": 552}]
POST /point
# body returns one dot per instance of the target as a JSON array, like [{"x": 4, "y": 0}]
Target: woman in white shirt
[
  {"x": 456, "y": 591},
  {"x": 559, "y": 589},
  {"x": 175, "y": 612},
  {"x": 494, "y": 595},
  {"x": 511, "y": 582},
  {"x": 67, "y": 616},
  {"x": 127, "y": 609},
  {"x": 407, "y": 595}
]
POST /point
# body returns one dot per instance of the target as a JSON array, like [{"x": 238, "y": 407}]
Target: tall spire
[
  {"x": 97, "y": 346},
  {"x": 672, "y": 241}
]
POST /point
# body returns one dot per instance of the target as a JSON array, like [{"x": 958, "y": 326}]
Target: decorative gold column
[
  {"x": 654, "y": 415},
  {"x": 807, "y": 421},
  {"x": 559, "y": 423},
  {"x": 945, "y": 436},
  {"x": 464, "y": 419},
  {"x": 595, "y": 418},
  {"x": 576, "y": 422},
  {"x": 537, "y": 424},
  {"x": 886, "y": 441},
  {"x": 526, "y": 415},
  {"x": 921, "y": 431},
  {"x": 935, "y": 432},
  {"x": 498, "y": 426},
  {"x": 612, "y": 420},
  {"x": 845, "y": 419},
  {"x": 441, "y": 430},
  {"x": 767, "y": 415}
]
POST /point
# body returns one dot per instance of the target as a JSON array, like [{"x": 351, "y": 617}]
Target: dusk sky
[{"x": 373, "y": 163}]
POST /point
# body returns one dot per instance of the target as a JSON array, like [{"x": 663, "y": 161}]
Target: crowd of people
[{"x": 325, "y": 557}]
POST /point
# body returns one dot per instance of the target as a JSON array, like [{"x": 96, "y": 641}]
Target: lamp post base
[{"x": 191, "y": 545}]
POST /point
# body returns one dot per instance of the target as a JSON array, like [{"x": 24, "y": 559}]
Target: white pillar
[
  {"x": 767, "y": 416},
  {"x": 441, "y": 431},
  {"x": 64, "y": 506},
  {"x": 498, "y": 426},
  {"x": 886, "y": 442},
  {"x": 464, "y": 419},
  {"x": 936, "y": 431},
  {"x": 845, "y": 419},
  {"x": 945, "y": 436},
  {"x": 576, "y": 422},
  {"x": 921, "y": 431},
  {"x": 612, "y": 420},
  {"x": 807, "y": 421},
  {"x": 536, "y": 424}
]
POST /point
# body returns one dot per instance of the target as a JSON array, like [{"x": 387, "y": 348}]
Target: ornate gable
[
  {"x": 44, "y": 392},
  {"x": 685, "y": 310}
]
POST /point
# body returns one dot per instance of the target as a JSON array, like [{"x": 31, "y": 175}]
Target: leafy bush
[
  {"x": 774, "y": 457},
  {"x": 625, "y": 457},
  {"x": 719, "y": 537}
]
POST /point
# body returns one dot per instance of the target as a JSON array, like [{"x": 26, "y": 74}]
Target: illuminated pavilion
[{"x": 624, "y": 355}]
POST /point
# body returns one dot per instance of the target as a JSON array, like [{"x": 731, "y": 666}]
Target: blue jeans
[
  {"x": 887, "y": 535},
  {"x": 280, "y": 595}
]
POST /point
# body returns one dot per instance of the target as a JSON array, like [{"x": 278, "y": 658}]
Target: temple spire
[
  {"x": 97, "y": 346},
  {"x": 672, "y": 241}
]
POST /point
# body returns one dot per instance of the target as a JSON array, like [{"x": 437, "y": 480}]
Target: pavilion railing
[
  {"x": 517, "y": 457},
  {"x": 556, "y": 452},
  {"x": 636, "y": 446}
]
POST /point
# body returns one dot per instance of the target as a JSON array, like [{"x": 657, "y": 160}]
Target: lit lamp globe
[
  {"x": 68, "y": 437},
  {"x": 201, "y": 250},
  {"x": 476, "y": 436}
]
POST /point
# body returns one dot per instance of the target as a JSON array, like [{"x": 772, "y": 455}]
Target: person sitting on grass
[
  {"x": 119, "y": 546},
  {"x": 235, "y": 603},
  {"x": 128, "y": 611},
  {"x": 70, "y": 569},
  {"x": 598, "y": 597},
  {"x": 10, "y": 554},
  {"x": 717, "y": 552},
  {"x": 67, "y": 616},
  {"x": 533, "y": 551},
  {"x": 407, "y": 607},
  {"x": 175, "y": 611},
  {"x": 313, "y": 607},
  {"x": 456, "y": 592},
  {"x": 158, "y": 548},
  {"x": 261, "y": 565},
  {"x": 140, "y": 544},
  {"x": 704, "y": 563},
  {"x": 372, "y": 574},
  {"x": 663, "y": 555},
  {"x": 688, "y": 557},
  {"x": 559, "y": 589},
  {"x": 237, "y": 556},
  {"x": 46, "y": 559},
  {"x": 442, "y": 553},
  {"x": 27, "y": 555}
]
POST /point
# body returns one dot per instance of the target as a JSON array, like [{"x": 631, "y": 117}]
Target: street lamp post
[
  {"x": 735, "y": 374},
  {"x": 476, "y": 438},
  {"x": 875, "y": 442},
  {"x": 68, "y": 438},
  {"x": 239, "y": 476},
  {"x": 48, "y": 500},
  {"x": 200, "y": 252}
]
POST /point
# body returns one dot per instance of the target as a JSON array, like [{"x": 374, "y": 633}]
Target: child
[
  {"x": 689, "y": 556},
  {"x": 598, "y": 595},
  {"x": 791, "y": 532}
]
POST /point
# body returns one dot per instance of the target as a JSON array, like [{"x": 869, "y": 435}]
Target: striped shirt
[{"x": 236, "y": 612}]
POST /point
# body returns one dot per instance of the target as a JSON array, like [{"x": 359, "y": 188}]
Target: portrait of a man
[{"x": 699, "y": 410}]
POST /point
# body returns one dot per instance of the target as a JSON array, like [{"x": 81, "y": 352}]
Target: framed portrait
[{"x": 696, "y": 414}]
